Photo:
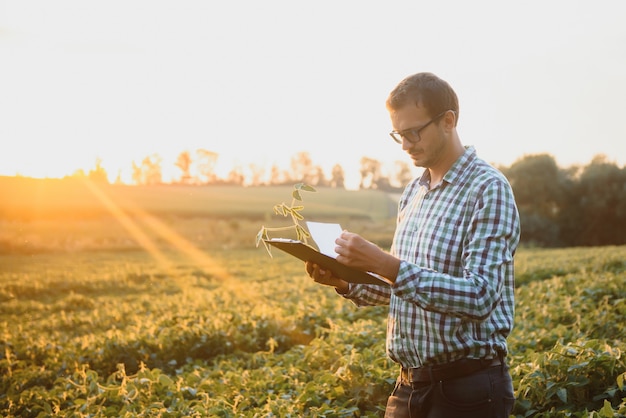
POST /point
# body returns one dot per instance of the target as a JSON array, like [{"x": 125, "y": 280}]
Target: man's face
[{"x": 426, "y": 147}]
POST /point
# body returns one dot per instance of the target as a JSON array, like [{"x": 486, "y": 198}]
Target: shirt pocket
[{"x": 442, "y": 239}]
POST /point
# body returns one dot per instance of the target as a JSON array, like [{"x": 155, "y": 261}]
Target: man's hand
[
  {"x": 326, "y": 277},
  {"x": 355, "y": 251}
]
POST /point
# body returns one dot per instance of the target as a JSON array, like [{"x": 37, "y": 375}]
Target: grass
[
  {"x": 154, "y": 302},
  {"x": 69, "y": 215},
  {"x": 36, "y": 199}
]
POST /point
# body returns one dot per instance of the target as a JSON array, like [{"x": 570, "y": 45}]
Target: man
[{"x": 451, "y": 263}]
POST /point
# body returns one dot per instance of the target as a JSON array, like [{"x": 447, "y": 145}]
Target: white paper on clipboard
[{"x": 324, "y": 234}]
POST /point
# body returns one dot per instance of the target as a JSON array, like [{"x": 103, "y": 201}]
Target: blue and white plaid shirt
[{"x": 453, "y": 296}]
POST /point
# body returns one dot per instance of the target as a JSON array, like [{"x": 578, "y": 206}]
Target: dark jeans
[{"x": 485, "y": 394}]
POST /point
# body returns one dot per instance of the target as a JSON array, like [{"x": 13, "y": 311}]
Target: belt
[{"x": 447, "y": 371}]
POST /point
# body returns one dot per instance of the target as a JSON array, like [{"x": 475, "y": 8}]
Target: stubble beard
[{"x": 429, "y": 157}]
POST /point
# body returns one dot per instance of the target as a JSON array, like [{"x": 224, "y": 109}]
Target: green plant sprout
[{"x": 288, "y": 210}]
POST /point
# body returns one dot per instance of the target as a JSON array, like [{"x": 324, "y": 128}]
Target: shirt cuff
[{"x": 405, "y": 280}]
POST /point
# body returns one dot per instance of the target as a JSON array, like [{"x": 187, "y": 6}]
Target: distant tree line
[
  {"x": 576, "y": 206},
  {"x": 199, "y": 168},
  {"x": 559, "y": 207}
]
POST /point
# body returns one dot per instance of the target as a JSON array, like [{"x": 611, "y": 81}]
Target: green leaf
[
  {"x": 562, "y": 394},
  {"x": 296, "y": 195},
  {"x": 165, "y": 380},
  {"x": 281, "y": 209},
  {"x": 303, "y": 186},
  {"x": 607, "y": 410},
  {"x": 302, "y": 233},
  {"x": 260, "y": 236}
]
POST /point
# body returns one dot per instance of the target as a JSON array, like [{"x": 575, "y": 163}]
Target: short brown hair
[{"x": 425, "y": 89}]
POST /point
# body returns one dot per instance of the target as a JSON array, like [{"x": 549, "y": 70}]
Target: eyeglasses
[{"x": 413, "y": 134}]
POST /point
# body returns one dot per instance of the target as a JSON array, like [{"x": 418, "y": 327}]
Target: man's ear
[{"x": 449, "y": 120}]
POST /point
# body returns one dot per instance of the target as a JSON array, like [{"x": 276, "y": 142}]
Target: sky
[{"x": 259, "y": 81}]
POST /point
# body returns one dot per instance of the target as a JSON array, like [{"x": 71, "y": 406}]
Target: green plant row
[
  {"x": 569, "y": 340},
  {"x": 114, "y": 335}
]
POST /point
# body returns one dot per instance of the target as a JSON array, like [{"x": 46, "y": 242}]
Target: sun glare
[
  {"x": 134, "y": 212},
  {"x": 129, "y": 218}
]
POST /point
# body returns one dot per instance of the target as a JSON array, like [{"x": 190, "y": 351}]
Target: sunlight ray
[
  {"x": 126, "y": 221},
  {"x": 198, "y": 256}
]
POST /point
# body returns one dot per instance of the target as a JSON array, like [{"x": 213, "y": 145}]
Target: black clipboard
[{"x": 305, "y": 252}]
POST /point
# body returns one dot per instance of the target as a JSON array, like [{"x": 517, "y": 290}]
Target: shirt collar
[{"x": 456, "y": 171}]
